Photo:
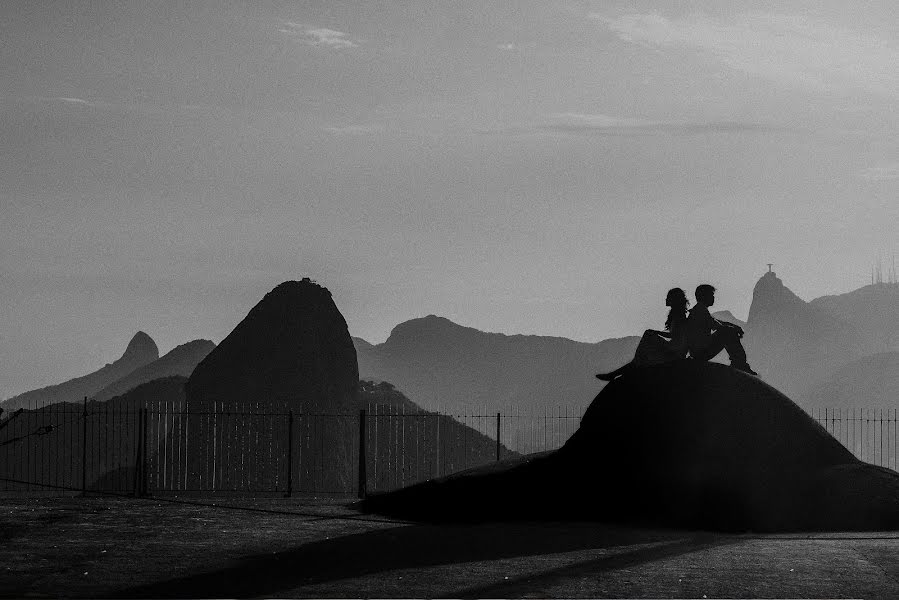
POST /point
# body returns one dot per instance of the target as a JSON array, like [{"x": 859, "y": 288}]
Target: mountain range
[
  {"x": 800, "y": 347},
  {"x": 443, "y": 365},
  {"x": 181, "y": 360},
  {"x": 141, "y": 351},
  {"x": 140, "y": 363},
  {"x": 810, "y": 350}
]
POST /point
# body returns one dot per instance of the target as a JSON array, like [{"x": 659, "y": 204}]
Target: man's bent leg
[
  {"x": 733, "y": 345},
  {"x": 716, "y": 344}
]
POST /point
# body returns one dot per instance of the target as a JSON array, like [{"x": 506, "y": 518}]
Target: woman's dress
[{"x": 654, "y": 349}]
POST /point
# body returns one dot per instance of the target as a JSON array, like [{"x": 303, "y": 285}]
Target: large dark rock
[
  {"x": 682, "y": 444},
  {"x": 292, "y": 351},
  {"x": 141, "y": 350}
]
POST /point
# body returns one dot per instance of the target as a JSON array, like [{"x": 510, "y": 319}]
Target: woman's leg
[
  {"x": 648, "y": 351},
  {"x": 616, "y": 373}
]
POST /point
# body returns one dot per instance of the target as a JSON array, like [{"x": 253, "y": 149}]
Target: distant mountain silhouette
[
  {"x": 869, "y": 382},
  {"x": 384, "y": 394},
  {"x": 358, "y": 342},
  {"x": 728, "y": 317},
  {"x": 181, "y": 360},
  {"x": 424, "y": 443},
  {"x": 873, "y": 310},
  {"x": 441, "y": 364},
  {"x": 141, "y": 350},
  {"x": 794, "y": 344},
  {"x": 709, "y": 447}
]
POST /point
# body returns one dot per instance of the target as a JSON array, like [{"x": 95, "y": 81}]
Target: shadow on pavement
[{"x": 422, "y": 546}]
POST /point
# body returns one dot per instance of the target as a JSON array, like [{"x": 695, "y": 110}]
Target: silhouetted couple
[{"x": 695, "y": 332}]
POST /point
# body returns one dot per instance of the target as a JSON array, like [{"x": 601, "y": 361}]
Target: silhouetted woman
[{"x": 660, "y": 346}]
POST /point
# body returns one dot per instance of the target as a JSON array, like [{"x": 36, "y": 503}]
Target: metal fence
[
  {"x": 253, "y": 448},
  {"x": 869, "y": 433}
]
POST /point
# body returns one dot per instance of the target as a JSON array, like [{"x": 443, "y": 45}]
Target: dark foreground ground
[{"x": 312, "y": 548}]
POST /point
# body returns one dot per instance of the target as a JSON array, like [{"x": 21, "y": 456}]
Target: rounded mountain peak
[
  {"x": 141, "y": 347},
  {"x": 429, "y": 328},
  {"x": 770, "y": 295},
  {"x": 304, "y": 286}
]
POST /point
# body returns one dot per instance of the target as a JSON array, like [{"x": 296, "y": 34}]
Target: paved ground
[{"x": 310, "y": 548}]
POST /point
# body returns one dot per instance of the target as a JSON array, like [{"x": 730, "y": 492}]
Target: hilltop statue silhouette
[
  {"x": 656, "y": 346},
  {"x": 706, "y": 336}
]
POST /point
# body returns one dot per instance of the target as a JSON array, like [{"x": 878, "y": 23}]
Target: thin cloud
[
  {"x": 509, "y": 47},
  {"x": 74, "y": 101},
  {"x": 880, "y": 173},
  {"x": 317, "y": 36},
  {"x": 788, "y": 49},
  {"x": 600, "y": 124},
  {"x": 364, "y": 129}
]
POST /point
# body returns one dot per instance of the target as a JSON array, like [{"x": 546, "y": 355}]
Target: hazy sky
[{"x": 524, "y": 167}]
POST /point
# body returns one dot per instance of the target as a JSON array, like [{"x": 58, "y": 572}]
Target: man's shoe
[{"x": 745, "y": 368}]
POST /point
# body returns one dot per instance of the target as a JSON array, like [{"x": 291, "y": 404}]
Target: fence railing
[
  {"x": 869, "y": 433},
  {"x": 251, "y": 448}
]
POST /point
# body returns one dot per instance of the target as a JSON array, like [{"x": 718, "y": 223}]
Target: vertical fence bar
[
  {"x": 289, "y": 454},
  {"x": 363, "y": 475},
  {"x": 144, "y": 487},
  {"x": 137, "y": 457},
  {"x": 498, "y": 417},
  {"x": 84, "y": 447}
]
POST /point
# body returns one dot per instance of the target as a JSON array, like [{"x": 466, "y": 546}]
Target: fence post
[
  {"x": 144, "y": 482},
  {"x": 498, "y": 446},
  {"x": 289, "y": 454},
  {"x": 138, "y": 447},
  {"x": 84, "y": 447},
  {"x": 363, "y": 474}
]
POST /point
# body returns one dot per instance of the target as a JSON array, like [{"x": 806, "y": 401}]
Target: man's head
[{"x": 705, "y": 294}]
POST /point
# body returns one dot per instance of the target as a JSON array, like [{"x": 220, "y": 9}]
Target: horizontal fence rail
[{"x": 253, "y": 448}]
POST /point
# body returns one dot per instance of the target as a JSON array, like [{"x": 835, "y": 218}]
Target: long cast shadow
[
  {"x": 407, "y": 547},
  {"x": 520, "y": 586}
]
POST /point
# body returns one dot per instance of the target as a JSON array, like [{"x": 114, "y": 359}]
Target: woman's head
[
  {"x": 676, "y": 298},
  {"x": 678, "y": 302}
]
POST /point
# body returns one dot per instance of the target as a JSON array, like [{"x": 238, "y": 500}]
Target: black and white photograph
[{"x": 449, "y": 299}]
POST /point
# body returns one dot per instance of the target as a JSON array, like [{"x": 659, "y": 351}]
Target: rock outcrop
[
  {"x": 141, "y": 350},
  {"x": 292, "y": 351},
  {"x": 686, "y": 444},
  {"x": 181, "y": 360}
]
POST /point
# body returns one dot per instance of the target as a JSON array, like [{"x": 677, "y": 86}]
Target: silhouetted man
[{"x": 707, "y": 336}]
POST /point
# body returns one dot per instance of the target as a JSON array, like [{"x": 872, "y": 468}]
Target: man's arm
[{"x": 718, "y": 324}]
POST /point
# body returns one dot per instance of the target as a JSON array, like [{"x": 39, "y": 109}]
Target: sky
[{"x": 543, "y": 167}]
